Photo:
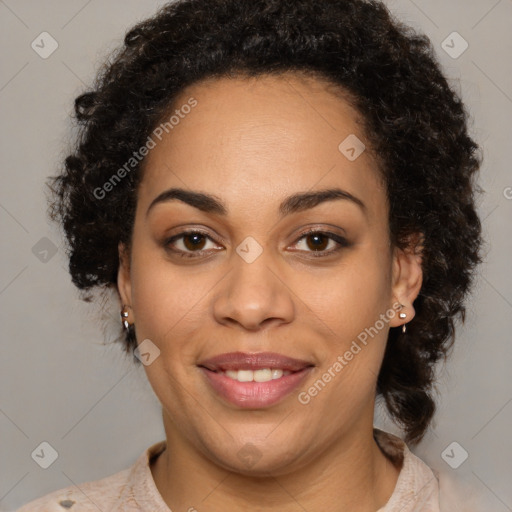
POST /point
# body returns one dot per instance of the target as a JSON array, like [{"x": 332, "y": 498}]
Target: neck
[{"x": 351, "y": 474}]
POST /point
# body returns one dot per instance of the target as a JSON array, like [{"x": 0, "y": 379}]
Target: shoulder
[
  {"x": 90, "y": 496},
  {"x": 110, "y": 493},
  {"x": 417, "y": 488},
  {"x": 460, "y": 492},
  {"x": 421, "y": 488}
]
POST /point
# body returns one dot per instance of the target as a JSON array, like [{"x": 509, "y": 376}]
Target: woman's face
[{"x": 253, "y": 280}]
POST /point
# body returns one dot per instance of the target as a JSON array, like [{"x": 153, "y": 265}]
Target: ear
[
  {"x": 123, "y": 277},
  {"x": 407, "y": 277}
]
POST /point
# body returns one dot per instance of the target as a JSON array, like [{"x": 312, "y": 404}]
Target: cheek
[
  {"x": 167, "y": 302},
  {"x": 354, "y": 294},
  {"x": 355, "y": 310}
]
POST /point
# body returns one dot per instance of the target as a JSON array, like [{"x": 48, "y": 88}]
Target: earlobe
[{"x": 407, "y": 279}]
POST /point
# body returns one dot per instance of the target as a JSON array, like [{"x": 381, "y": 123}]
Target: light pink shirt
[{"x": 418, "y": 488}]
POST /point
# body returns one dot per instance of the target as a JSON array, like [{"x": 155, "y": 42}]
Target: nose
[{"x": 255, "y": 295}]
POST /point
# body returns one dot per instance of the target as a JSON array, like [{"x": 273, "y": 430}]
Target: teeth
[
  {"x": 277, "y": 373},
  {"x": 263, "y": 375},
  {"x": 245, "y": 375}
]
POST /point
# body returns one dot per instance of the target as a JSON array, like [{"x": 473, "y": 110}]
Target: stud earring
[{"x": 124, "y": 316}]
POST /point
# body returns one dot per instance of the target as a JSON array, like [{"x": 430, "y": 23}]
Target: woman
[{"x": 281, "y": 192}]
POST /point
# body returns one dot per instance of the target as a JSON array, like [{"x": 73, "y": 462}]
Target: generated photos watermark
[
  {"x": 304, "y": 397},
  {"x": 143, "y": 151}
]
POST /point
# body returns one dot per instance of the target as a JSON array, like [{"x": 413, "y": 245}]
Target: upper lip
[{"x": 254, "y": 361}]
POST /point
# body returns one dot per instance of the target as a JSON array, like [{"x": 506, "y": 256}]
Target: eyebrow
[{"x": 292, "y": 204}]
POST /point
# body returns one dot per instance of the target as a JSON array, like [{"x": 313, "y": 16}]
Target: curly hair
[{"x": 414, "y": 120}]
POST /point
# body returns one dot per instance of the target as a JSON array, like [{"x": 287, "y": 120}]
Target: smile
[{"x": 247, "y": 392}]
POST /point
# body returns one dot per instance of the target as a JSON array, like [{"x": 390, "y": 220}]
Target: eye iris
[
  {"x": 318, "y": 246},
  {"x": 195, "y": 244}
]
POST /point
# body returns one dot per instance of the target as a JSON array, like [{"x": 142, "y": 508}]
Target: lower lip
[{"x": 254, "y": 395}]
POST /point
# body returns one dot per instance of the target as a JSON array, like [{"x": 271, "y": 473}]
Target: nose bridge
[
  {"x": 252, "y": 272},
  {"x": 253, "y": 291}
]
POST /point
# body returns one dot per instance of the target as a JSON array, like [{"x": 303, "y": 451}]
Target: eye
[
  {"x": 317, "y": 241},
  {"x": 193, "y": 243},
  {"x": 189, "y": 242}
]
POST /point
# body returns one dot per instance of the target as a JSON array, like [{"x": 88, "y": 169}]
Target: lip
[
  {"x": 254, "y": 361},
  {"x": 254, "y": 395}
]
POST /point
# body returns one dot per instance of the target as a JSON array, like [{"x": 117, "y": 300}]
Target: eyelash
[{"x": 341, "y": 241}]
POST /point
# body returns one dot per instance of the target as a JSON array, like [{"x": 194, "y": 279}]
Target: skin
[{"x": 251, "y": 143}]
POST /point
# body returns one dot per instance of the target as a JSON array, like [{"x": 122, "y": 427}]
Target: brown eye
[
  {"x": 317, "y": 242},
  {"x": 194, "y": 241},
  {"x": 188, "y": 244},
  {"x": 191, "y": 244}
]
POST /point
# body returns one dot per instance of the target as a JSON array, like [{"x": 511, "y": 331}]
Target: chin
[{"x": 260, "y": 459}]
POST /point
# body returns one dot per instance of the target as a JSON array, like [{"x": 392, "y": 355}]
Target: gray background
[{"x": 64, "y": 382}]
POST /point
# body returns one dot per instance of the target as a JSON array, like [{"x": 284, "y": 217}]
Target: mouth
[
  {"x": 240, "y": 361},
  {"x": 256, "y": 380}
]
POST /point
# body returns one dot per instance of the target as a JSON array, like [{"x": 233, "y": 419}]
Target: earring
[
  {"x": 403, "y": 315},
  {"x": 124, "y": 316}
]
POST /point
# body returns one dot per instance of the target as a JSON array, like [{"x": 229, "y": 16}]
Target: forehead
[{"x": 261, "y": 138}]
